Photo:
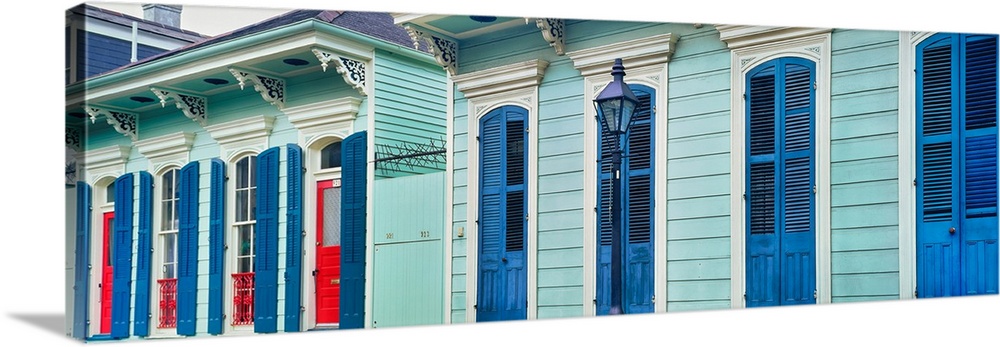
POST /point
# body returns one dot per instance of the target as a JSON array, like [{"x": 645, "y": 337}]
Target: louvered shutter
[
  {"x": 122, "y": 276},
  {"x": 491, "y": 221},
  {"x": 515, "y": 157},
  {"x": 81, "y": 266},
  {"x": 265, "y": 299},
  {"x": 293, "y": 237},
  {"x": 637, "y": 173},
  {"x": 780, "y": 263},
  {"x": 957, "y": 165},
  {"x": 354, "y": 161},
  {"x": 216, "y": 245},
  {"x": 187, "y": 249},
  {"x": 144, "y": 252}
]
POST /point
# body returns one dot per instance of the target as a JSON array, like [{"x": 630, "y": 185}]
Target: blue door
[
  {"x": 956, "y": 177},
  {"x": 781, "y": 184},
  {"x": 352, "y": 226},
  {"x": 502, "y": 277},
  {"x": 637, "y": 213}
]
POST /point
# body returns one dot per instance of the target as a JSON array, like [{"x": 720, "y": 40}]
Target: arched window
[
  {"x": 330, "y": 156},
  {"x": 243, "y": 226},
  {"x": 166, "y": 243}
]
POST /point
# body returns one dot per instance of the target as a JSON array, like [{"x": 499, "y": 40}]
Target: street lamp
[{"x": 616, "y": 105}]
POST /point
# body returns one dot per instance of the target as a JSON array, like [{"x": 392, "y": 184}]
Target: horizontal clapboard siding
[
  {"x": 864, "y": 187},
  {"x": 411, "y": 106},
  {"x": 698, "y": 136}
]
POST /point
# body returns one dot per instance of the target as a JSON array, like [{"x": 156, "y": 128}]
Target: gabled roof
[
  {"x": 378, "y": 25},
  {"x": 91, "y": 11}
]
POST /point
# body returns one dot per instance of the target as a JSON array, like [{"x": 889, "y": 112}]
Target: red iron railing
[
  {"x": 243, "y": 298},
  {"x": 168, "y": 303}
]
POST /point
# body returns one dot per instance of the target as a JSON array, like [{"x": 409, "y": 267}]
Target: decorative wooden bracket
[
  {"x": 445, "y": 50},
  {"x": 270, "y": 88},
  {"x": 192, "y": 106},
  {"x": 123, "y": 122},
  {"x": 73, "y": 138},
  {"x": 352, "y": 70},
  {"x": 553, "y": 30}
]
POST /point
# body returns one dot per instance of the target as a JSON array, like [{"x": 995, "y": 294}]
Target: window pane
[
  {"x": 252, "y": 203},
  {"x": 242, "y": 173},
  {"x": 241, "y": 205},
  {"x": 110, "y": 193},
  {"x": 170, "y": 270},
  {"x": 245, "y": 238},
  {"x": 167, "y": 215},
  {"x": 170, "y": 248},
  {"x": 330, "y": 156},
  {"x": 244, "y": 265},
  {"x": 331, "y": 217}
]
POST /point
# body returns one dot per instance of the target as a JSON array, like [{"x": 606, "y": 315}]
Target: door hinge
[
  {"x": 526, "y": 129},
  {"x": 914, "y": 182},
  {"x": 477, "y": 138},
  {"x": 815, "y": 85},
  {"x": 814, "y": 189},
  {"x": 653, "y": 299},
  {"x": 744, "y": 96},
  {"x": 814, "y": 294},
  {"x": 744, "y": 196},
  {"x": 915, "y": 294}
]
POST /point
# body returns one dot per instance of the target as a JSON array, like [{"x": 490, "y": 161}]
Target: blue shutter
[
  {"x": 637, "y": 174},
  {"x": 780, "y": 262},
  {"x": 81, "y": 267},
  {"x": 187, "y": 249},
  {"x": 122, "y": 274},
  {"x": 502, "y": 289},
  {"x": 144, "y": 250},
  {"x": 957, "y": 165},
  {"x": 216, "y": 245},
  {"x": 265, "y": 302},
  {"x": 293, "y": 238},
  {"x": 354, "y": 161}
]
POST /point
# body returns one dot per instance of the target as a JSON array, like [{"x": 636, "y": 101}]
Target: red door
[
  {"x": 106, "y": 272},
  {"x": 328, "y": 252}
]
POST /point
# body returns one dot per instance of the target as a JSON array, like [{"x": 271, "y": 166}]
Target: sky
[{"x": 32, "y": 252}]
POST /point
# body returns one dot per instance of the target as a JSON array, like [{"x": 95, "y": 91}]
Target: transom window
[{"x": 330, "y": 156}]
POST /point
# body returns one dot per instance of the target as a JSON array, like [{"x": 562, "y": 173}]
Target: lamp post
[{"x": 616, "y": 105}]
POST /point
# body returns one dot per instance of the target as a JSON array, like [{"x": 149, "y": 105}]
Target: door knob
[
  {"x": 504, "y": 259},
  {"x": 335, "y": 281},
  {"x": 951, "y": 230}
]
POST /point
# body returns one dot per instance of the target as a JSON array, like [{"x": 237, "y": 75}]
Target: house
[
  {"x": 767, "y": 166},
  {"x": 232, "y": 186}
]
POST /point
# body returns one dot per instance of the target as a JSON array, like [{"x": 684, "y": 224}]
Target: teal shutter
[
  {"x": 266, "y": 243},
  {"x": 187, "y": 249},
  {"x": 81, "y": 267},
  {"x": 122, "y": 277},
  {"x": 293, "y": 238},
  {"x": 144, "y": 250},
  {"x": 354, "y": 160},
  {"x": 216, "y": 245}
]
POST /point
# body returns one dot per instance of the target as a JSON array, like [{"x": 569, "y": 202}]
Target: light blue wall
[
  {"x": 863, "y": 168},
  {"x": 410, "y": 107}
]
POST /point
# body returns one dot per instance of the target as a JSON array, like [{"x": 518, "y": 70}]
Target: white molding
[
  {"x": 554, "y": 32},
  {"x": 501, "y": 79},
  {"x": 770, "y": 44},
  {"x": 739, "y": 36},
  {"x": 449, "y": 198},
  {"x": 353, "y": 71},
  {"x": 526, "y": 97},
  {"x": 334, "y": 117},
  {"x": 96, "y": 164},
  {"x": 907, "y": 161},
  {"x": 125, "y": 123},
  {"x": 171, "y": 149},
  {"x": 444, "y": 48},
  {"x": 194, "y": 107},
  {"x": 249, "y": 133},
  {"x": 652, "y": 50},
  {"x": 653, "y": 76},
  {"x": 271, "y": 89}
]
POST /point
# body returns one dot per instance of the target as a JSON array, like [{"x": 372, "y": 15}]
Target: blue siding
[{"x": 97, "y": 53}]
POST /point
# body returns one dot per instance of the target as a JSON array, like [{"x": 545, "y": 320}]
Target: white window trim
[
  {"x": 313, "y": 175},
  {"x": 157, "y": 253},
  {"x": 236, "y": 139},
  {"x": 908, "y": 42},
  {"x": 645, "y": 61},
  {"x": 751, "y": 46},
  {"x": 331, "y": 117},
  {"x": 99, "y": 168},
  {"x": 166, "y": 150},
  {"x": 514, "y": 84},
  {"x": 232, "y": 238}
]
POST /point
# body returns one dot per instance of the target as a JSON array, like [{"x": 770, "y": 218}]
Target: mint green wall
[
  {"x": 410, "y": 103},
  {"x": 863, "y": 168},
  {"x": 408, "y": 273},
  {"x": 697, "y": 168}
]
